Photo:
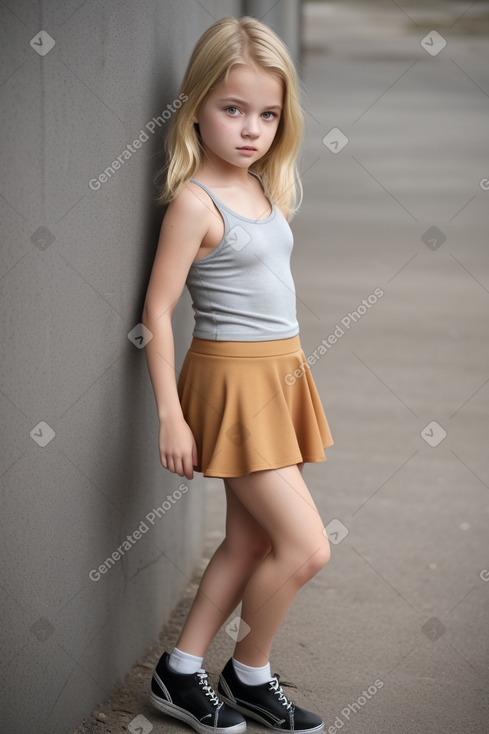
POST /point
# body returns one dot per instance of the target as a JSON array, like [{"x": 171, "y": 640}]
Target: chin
[{"x": 243, "y": 164}]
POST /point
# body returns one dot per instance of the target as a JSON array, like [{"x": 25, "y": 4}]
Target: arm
[{"x": 184, "y": 226}]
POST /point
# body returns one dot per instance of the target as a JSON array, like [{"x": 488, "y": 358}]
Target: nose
[{"x": 250, "y": 128}]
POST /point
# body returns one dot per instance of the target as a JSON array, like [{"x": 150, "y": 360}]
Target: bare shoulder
[
  {"x": 186, "y": 222},
  {"x": 192, "y": 202}
]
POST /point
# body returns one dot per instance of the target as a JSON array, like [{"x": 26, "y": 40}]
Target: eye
[
  {"x": 233, "y": 111},
  {"x": 272, "y": 115}
]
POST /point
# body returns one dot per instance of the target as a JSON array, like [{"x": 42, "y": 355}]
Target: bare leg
[
  {"x": 227, "y": 573},
  {"x": 281, "y": 504}
]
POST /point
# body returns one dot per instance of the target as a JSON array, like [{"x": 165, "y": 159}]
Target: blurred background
[{"x": 391, "y": 265}]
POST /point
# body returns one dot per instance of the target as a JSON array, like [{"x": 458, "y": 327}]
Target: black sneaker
[
  {"x": 191, "y": 698},
  {"x": 267, "y": 703}
]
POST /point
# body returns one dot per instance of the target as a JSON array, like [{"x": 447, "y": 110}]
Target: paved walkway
[{"x": 392, "y": 271}]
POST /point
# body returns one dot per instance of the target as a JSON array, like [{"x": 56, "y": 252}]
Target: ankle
[
  {"x": 184, "y": 662},
  {"x": 252, "y": 676}
]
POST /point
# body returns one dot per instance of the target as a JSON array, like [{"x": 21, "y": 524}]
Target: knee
[{"x": 314, "y": 559}]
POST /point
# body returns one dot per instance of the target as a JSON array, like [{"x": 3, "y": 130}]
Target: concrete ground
[{"x": 391, "y": 265}]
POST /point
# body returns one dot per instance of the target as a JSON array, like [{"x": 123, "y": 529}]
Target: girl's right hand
[{"x": 178, "y": 450}]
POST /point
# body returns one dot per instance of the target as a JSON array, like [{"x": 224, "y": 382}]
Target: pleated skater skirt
[{"x": 251, "y": 406}]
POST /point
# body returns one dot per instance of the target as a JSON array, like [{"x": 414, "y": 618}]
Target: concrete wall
[{"x": 79, "y": 469}]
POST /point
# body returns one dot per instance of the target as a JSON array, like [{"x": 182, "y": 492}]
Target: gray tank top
[{"x": 243, "y": 290}]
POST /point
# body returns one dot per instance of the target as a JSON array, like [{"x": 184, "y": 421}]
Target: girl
[{"x": 235, "y": 412}]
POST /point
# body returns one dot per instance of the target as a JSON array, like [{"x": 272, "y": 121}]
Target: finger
[
  {"x": 188, "y": 468},
  {"x": 178, "y": 466}
]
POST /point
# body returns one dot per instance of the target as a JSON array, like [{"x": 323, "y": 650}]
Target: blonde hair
[{"x": 227, "y": 42}]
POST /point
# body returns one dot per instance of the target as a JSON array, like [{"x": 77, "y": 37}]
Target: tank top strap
[
  {"x": 214, "y": 198},
  {"x": 229, "y": 215}
]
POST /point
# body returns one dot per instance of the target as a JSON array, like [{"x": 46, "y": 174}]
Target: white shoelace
[
  {"x": 277, "y": 691},
  {"x": 204, "y": 682}
]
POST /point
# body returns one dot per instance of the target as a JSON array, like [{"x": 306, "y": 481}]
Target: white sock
[
  {"x": 183, "y": 662},
  {"x": 252, "y": 676}
]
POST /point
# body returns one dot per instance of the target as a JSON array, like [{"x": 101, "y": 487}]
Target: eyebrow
[{"x": 245, "y": 104}]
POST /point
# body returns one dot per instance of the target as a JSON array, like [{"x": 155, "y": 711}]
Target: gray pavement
[{"x": 391, "y": 636}]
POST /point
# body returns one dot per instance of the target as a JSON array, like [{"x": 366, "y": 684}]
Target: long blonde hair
[{"x": 225, "y": 43}]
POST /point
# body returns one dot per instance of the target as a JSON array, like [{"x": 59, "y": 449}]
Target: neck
[{"x": 215, "y": 168}]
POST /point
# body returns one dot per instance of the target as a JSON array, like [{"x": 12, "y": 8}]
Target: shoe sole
[
  {"x": 257, "y": 717},
  {"x": 178, "y": 713}
]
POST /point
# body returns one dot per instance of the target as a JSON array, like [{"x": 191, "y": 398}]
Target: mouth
[{"x": 248, "y": 147}]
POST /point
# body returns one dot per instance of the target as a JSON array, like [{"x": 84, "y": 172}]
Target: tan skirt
[{"x": 251, "y": 406}]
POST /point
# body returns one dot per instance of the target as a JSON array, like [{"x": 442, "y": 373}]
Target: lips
[{"x": 247, "y": 147}]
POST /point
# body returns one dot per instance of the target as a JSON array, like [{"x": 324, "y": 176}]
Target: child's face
[{"x": 239, "y": 119}]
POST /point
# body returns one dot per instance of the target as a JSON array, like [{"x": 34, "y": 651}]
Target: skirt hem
[{"x": 216, "y": 474}]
